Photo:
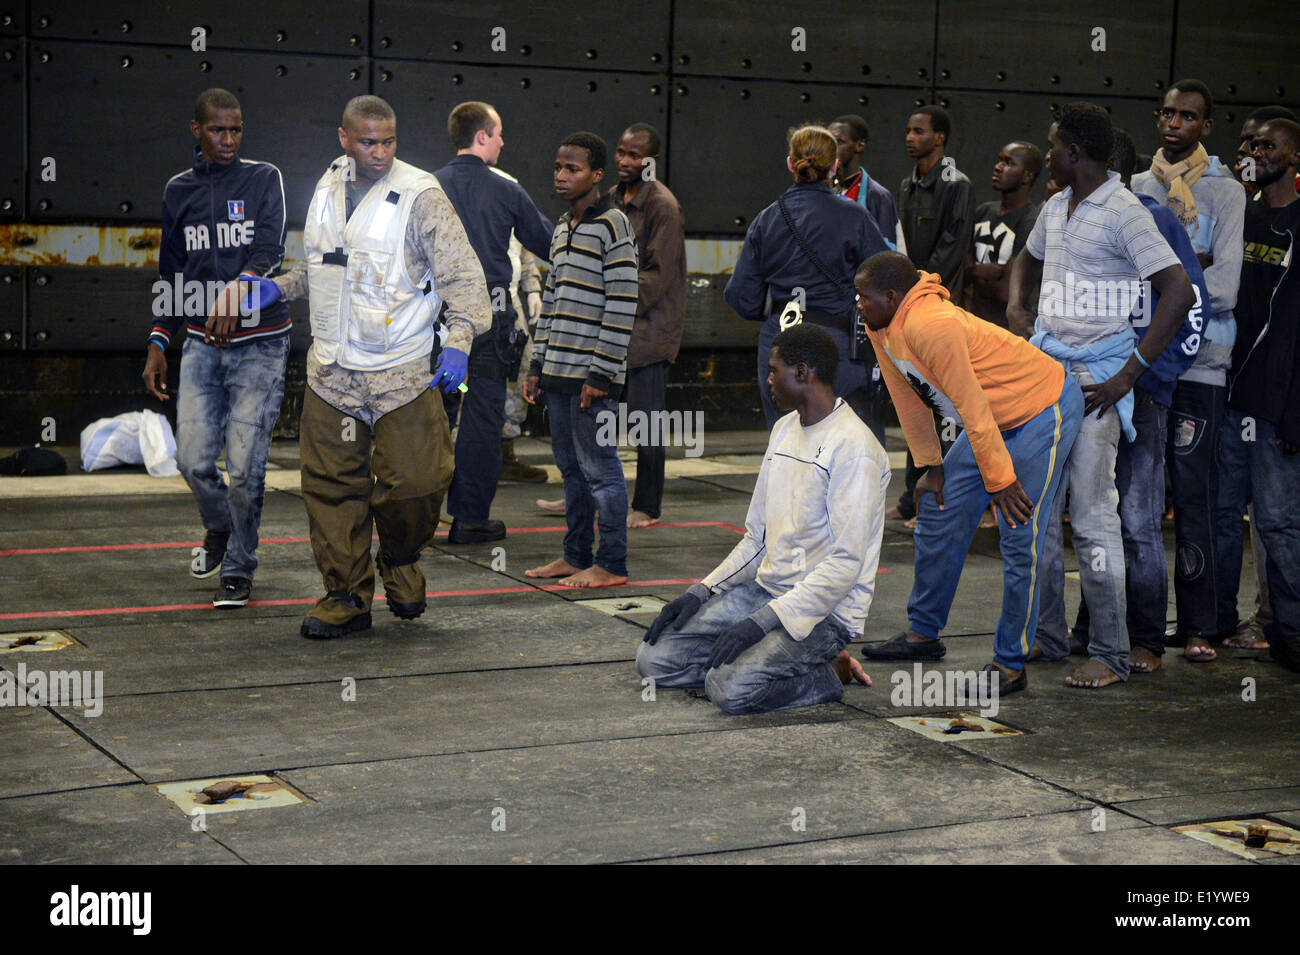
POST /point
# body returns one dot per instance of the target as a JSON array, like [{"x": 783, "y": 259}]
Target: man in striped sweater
[{"x": 580, "y": 361}]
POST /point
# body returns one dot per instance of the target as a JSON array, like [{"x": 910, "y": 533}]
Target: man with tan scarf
[{"x": 1211, "y": 205}]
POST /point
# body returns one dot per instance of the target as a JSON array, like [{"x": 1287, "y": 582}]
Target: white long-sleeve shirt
[{"x": 815, "y": 523}]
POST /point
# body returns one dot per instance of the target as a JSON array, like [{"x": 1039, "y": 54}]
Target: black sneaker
[
  {"x": 475, "y": 532},
  {"x": 207, "y": 561},
  {"x": 234, "y": 592},
  {"x": 897, "y": 648}
]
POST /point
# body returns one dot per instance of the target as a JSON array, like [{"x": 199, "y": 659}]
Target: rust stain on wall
[{"x": 130, "y": 247}]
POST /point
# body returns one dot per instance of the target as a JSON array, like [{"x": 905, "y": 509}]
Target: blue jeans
[
  {"x": 1140, "y": 480},
  {"x": 1275, "y": 481},
  {"x": 1089, "y": 482},
  {"x": 594, "y": 488},
  {"x": 853, "y": 379},
  {"x": 1039, "y": 449},
  {"x": 777, "y": 673},
  {"x": 229, "y": 397},
  {"x": 1234, "y": 495}
]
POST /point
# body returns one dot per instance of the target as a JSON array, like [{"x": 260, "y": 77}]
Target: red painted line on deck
[
  {"x": 161, "y": 545},
  {"x": 179, "y": 545},
  {"x": 304, "y": 601}
]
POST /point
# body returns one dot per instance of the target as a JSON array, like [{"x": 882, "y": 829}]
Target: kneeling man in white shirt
[{"x": 766, "y": 630}]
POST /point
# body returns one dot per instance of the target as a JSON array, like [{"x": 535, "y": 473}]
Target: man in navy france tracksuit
[{"x": 222, "y": 219}]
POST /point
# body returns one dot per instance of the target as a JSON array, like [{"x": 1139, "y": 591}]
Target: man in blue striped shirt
[
  {"x": 1094, "y": 245},
  {"x": 580, "y": 361}
]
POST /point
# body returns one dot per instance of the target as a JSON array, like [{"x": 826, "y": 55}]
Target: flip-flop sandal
[{"x": 1239, "y": 641}]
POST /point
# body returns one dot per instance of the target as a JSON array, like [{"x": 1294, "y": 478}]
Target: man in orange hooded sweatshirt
[{"x": 1020, "y": 413}]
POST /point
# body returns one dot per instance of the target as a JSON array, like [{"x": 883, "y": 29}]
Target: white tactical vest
[{"x": 366, "y": 315}]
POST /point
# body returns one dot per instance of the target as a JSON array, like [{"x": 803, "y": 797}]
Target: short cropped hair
[
  {"x": 650, "y": 133},
  {"x": 361, "y": 108},
  {"x": 1265, "y": 113},
  {"x": 940, "y": 122},
  {"x": 1087, "y": 126},
  {"x": 857, "y": 126},
  {"x": 1289, "y": 128},
  {"x": 1033, "y": 158},
  {"x": 1199, "y": 88},
  {"x": 889, "y": 270},
  {"x": 210, "y": 101},
  {"x": 594, "y": 145},
  {"x": 465, "y": 122},
  {"x": 1123, "y": 154},
  {"x": 811, "y": 345}
]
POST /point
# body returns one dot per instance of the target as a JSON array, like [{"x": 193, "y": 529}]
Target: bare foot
[
  {"x": 1198, "y": 650},
  {"x": 551, "y": 507},
  {"x": 989, "y": 519},
  {"x": 1142, "y": 660},
  {"x": 850, "y": 670},
  {"x": 641, "y": 519},
  {"x": 1036, "y": 653},
  {"x": 910, "y": 523},
  {"x": 593, "y": 576},
  {"x": 1091, "y": 676},
  {"x": 556, "y": 568}
]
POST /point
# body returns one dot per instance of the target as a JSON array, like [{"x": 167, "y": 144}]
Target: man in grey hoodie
[{"x": 1211, "y": 205}]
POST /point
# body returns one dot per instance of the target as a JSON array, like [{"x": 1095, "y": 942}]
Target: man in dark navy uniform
[{"x": 491, "y": 205}]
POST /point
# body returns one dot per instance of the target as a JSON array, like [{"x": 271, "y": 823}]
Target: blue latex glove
[
  {"x": 675, "y": 613},
  {"x": 735, "y": 641},
  {"x": 451, "y": 369},
  {"x": 262, "y": 291}
]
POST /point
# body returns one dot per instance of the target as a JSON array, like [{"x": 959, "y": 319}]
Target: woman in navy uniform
[{"x": 804, "y": 249}]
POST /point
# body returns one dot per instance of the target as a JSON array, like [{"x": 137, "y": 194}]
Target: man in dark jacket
[
  {"x": 656, "y": 218},
  {"x": 1267, "y": 391},
  {"x": 937, "y": 206},
  {"x": 492, "y": 206},
  {"x": 222, "y": 219}
]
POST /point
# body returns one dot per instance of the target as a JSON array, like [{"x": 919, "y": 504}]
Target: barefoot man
[
  {"x": 580, "y": 361},
  {"x": 767, "y": 628}
]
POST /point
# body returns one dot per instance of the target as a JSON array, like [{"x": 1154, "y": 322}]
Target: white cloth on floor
[{"x": 135, "y": 437}]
